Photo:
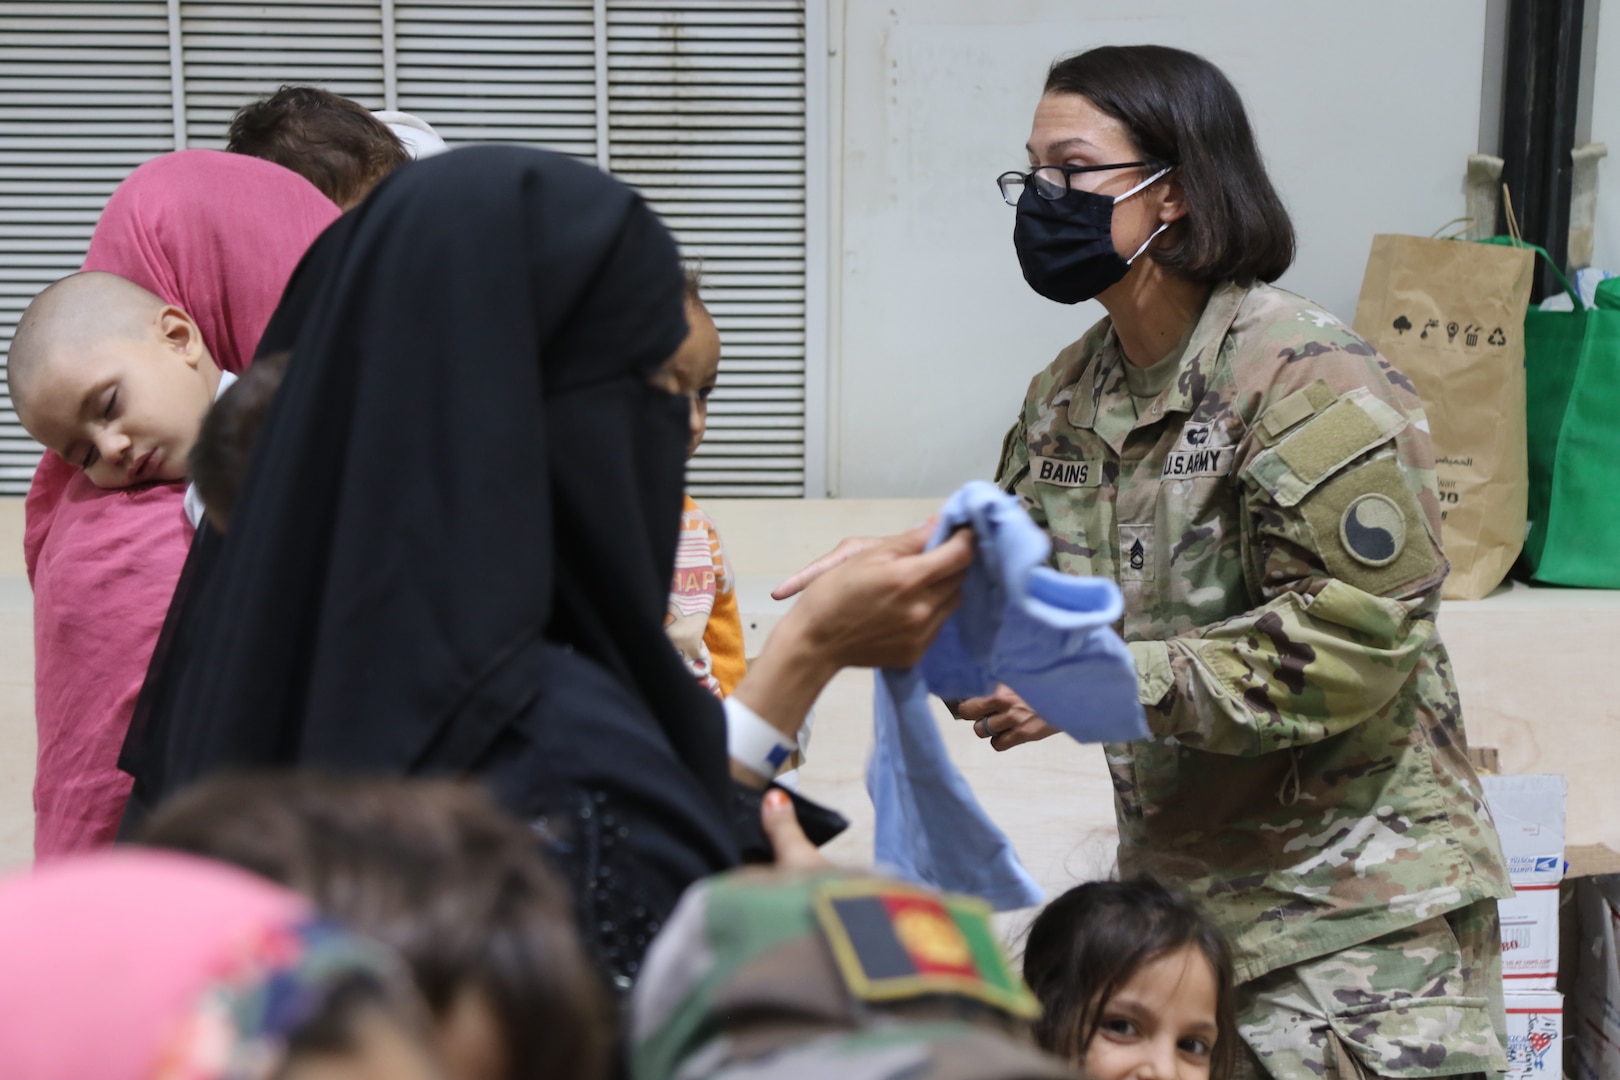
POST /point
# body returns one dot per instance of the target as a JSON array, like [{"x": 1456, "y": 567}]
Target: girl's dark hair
[
  {"x": 1179, "y": 109},
  {"x": 432, "y": 869},
  {"x": 1089, "y": 942}
]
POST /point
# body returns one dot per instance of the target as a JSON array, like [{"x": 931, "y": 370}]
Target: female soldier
[{"x": 1260, "y": 483}]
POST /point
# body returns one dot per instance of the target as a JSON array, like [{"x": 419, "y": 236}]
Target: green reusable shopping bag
[{"x": 1572, "y": 395}]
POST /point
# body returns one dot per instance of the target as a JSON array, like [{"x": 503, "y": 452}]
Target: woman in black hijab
[{"x": 452, "y": 546}]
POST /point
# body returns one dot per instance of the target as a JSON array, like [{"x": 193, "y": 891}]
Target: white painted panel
[
  {"x": 1365, "y": 113},
  {"x": 1606, "y": 129}
]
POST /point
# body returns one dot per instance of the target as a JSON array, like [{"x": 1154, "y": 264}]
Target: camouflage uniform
[
  {"x": 809, "y": 976},
  {"x": 1270, "y": 513}
]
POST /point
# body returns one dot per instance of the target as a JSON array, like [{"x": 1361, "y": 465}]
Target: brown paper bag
[{"x": 1450, "y": 315}]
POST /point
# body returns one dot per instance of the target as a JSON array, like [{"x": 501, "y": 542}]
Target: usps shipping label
[
  {"x": 1535, "y": 1022},
  {"x": 1530, "y": 937},
  {"x": 1529, "y": 816}
]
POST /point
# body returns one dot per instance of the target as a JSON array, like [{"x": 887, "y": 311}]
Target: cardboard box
[
  {"x": 1530, "y": 938},
  {"x": 1529, "y": 814},
  {"x": 1535, "y": 1023},
  {"x": 1591, "y": 969}
]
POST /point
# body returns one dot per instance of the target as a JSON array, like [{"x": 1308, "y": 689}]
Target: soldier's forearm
[{"x": 1295, "y": 671}]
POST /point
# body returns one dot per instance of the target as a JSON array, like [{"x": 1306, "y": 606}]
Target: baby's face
[{"x": 126, "y": 410}]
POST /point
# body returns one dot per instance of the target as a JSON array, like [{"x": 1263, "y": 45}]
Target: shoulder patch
[
  {"x": 1369, "y": 529},
  {"x": 894, "y": 942},
  {"x": 1372, "y": 529}
]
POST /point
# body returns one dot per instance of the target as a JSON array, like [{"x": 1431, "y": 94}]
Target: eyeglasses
[{"x": 1052, "y": 181}]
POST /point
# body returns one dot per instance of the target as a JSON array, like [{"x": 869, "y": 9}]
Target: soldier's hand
[
  {"x": 1005, "y": 719},
  {"x": 792, "y": 848}
]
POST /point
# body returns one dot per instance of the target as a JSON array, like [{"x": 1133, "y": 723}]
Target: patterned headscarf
[{"x": 154, "y": 966}]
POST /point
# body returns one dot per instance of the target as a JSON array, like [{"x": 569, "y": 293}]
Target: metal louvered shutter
[
  {"x": 84, "y": 98},
  {"x": 707, "y": 106},
  {"x": 501, "y": 71},
  {"x": 233, "y": 52},
  {"x": 706, "y": 115}
]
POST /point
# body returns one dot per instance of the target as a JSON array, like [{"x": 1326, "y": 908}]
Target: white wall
[
  {"x": 1606, "y": 129},
  {"x": 1366, "y": 113}
]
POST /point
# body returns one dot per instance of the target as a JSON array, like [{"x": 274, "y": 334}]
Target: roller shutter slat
[
  {"x": 84, "y": 99},
  {"x": 706, "y": 114}
]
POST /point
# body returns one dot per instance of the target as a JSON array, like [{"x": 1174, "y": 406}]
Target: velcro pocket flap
[{"x": 1353, "y": 425}]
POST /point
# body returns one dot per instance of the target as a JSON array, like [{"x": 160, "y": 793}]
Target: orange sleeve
[{"x": 724, "y": 637}]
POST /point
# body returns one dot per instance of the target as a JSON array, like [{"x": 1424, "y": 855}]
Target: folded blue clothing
[{"x": 1045, "y": 634}]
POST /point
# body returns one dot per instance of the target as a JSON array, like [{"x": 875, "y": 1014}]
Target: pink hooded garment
[
  {"x": 151, "y": 965},
  {"x": 218, "y": 235}
]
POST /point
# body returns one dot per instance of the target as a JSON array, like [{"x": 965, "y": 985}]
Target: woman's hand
[
  {"x": 880, "y": 608},
  {"x": 1005, "y": 719},
  {"x": 847, "y": 549},
  {"x": 884, "y": 606}
]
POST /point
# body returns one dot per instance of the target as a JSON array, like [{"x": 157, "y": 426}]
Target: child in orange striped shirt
[{"x": 702, "y": 619}]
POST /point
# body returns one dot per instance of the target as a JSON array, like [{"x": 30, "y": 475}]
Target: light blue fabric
[
  {"x": 930, "y": 828},
  {"x": 1045, "y": 634}
]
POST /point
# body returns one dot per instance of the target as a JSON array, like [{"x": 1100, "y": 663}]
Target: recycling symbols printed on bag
[
  {"x": 1447, "y": 314},
  {"x": 1470, "y": 333}
]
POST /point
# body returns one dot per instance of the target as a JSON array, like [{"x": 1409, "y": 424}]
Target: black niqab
[{"x": 452, "y": 549}]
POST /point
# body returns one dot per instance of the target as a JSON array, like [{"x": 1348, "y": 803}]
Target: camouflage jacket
[
  {"x": 827, "y": 974},
  {"x": 1272, "y": 519}
]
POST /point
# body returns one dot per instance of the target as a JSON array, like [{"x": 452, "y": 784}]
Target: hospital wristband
[{"x": 753, "y": 743}]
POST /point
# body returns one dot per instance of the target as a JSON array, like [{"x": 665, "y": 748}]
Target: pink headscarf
[
  {"x": 129, "y": 964},
  {"x": 218, "y": 235}
]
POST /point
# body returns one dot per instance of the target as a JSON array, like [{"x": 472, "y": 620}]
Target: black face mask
[{"x": 1066, "y": 245}]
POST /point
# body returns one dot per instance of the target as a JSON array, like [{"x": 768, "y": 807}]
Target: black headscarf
[{"x": 452, "y": 549}]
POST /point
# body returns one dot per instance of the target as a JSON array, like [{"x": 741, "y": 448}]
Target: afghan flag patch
[{"x": 894, "y": 941}]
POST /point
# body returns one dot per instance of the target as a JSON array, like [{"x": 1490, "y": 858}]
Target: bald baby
[{"x": 112, "y": 378}]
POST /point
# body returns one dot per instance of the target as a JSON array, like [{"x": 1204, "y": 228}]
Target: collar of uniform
[{"x": 1220, "y": 311}]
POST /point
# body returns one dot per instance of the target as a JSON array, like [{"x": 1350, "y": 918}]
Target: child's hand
[{"x": 792, "y": 848}]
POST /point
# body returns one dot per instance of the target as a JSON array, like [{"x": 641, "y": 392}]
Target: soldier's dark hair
[
  {"x": 329, "y": 140},
  {"x": 1179, "y": 109},
  {"x": 1088, "y": 943},
  {"x": 693, "y": 272},
  {"x": 432, "y": 869}
]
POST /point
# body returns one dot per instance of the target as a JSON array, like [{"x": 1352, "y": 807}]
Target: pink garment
[
  {"x": 105, "y": 957},
  {"x": 218, "y": 235}
]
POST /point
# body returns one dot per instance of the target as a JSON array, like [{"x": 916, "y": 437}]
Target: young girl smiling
[{"x": 1135, "y": 983}]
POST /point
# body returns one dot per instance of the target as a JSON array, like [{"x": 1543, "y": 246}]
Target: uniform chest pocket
[{"x": 1197, "y": 533}]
